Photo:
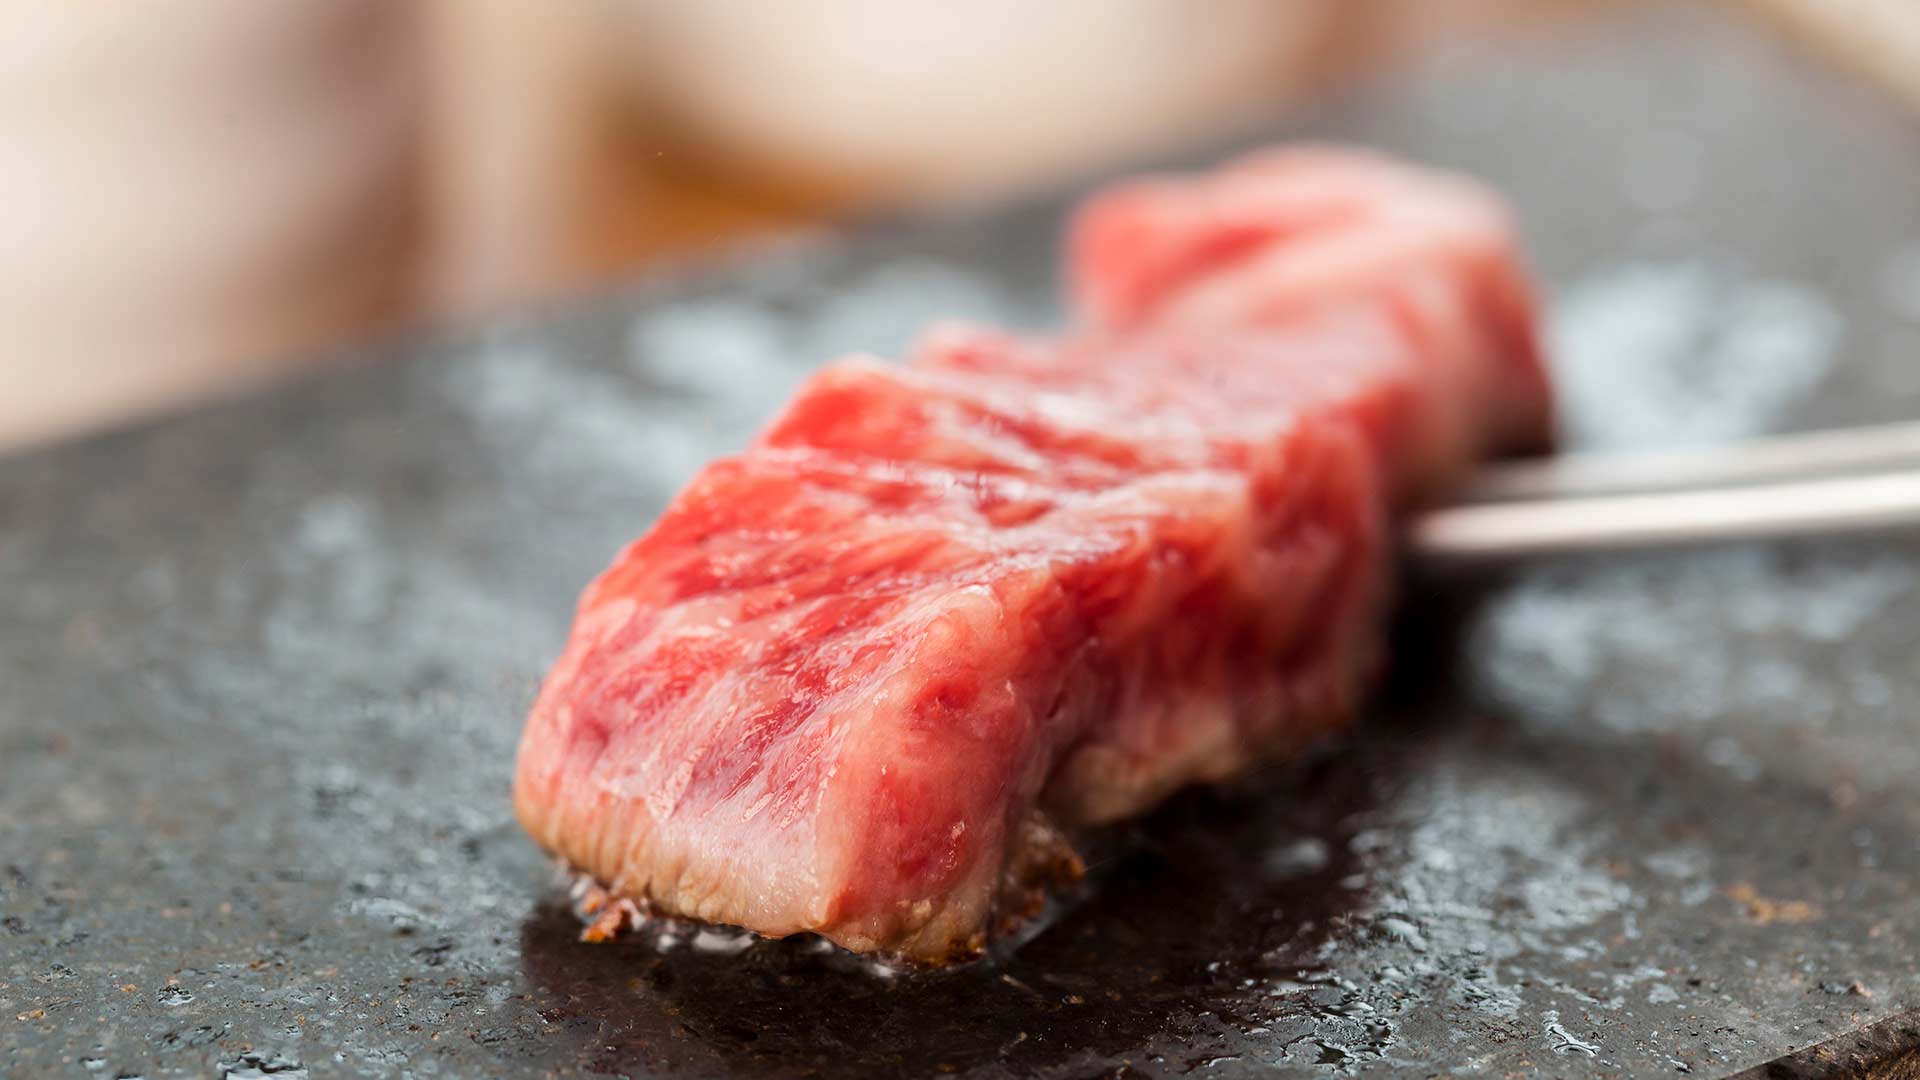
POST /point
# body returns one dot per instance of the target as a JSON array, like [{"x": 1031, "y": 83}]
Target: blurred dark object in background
[{"x": 239, "y": 190}]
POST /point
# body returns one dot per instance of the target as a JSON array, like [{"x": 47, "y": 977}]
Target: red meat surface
[
  {"x": 861, "y": 679},
  {"x": 1279, "y": 232}
]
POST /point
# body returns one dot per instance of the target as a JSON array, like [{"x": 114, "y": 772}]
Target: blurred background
[{"x": 194, "y": 203}]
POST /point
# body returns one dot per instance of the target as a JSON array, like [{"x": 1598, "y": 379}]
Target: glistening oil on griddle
[{"x": 262, "y": 669}]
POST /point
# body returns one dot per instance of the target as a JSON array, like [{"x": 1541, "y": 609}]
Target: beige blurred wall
[
  {"x": 190, "y": 196},
  {"x": 233, "y": 191}
]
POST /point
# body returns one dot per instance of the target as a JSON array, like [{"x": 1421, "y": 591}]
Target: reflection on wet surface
[
  {"x": 1443, "y": 876},
  {"x": 1204, "y": 926},
  {"x": 1215, "y": 890}
]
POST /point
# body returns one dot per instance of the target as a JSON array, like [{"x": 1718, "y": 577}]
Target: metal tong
[{"x": 1826, "y": 482}]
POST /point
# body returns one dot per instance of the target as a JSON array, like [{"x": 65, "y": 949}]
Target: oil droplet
[
  {"x": 721, "y": 942},
  {"x": 1568, "y": 1043},
  {"x": 258, "y": 1067},
  {"x": 1301, "y": 858},
  {"x": 1406, "y": 932}
]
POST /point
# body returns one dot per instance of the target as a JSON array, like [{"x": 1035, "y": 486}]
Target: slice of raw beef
[{"x": 865, "y": 678}]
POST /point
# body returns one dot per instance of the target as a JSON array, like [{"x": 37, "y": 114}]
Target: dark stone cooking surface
[{"x": 262, "y": 670}]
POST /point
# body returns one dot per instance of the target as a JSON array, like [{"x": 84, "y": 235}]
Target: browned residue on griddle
[{"x": 1764, "y": 910}]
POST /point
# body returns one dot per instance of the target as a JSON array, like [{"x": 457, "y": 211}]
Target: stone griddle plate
[{"x": 262, "y": 670}]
